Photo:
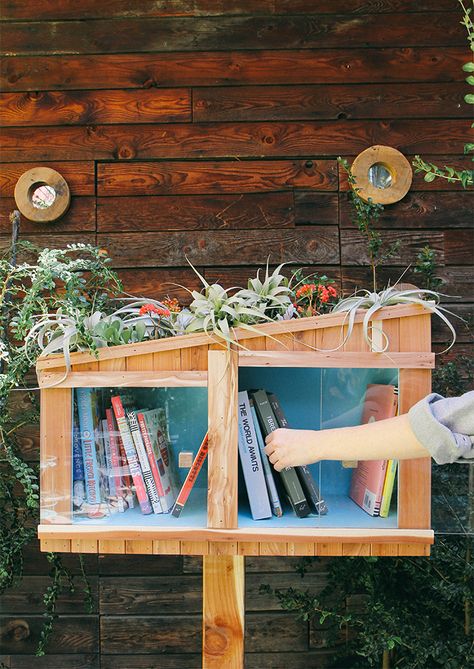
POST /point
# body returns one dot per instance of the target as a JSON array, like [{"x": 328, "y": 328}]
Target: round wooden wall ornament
[
  {"x": 42, "y": 194},
  {"x": 382, "y": 174}
]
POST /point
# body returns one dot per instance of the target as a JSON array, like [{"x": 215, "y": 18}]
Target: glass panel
[
  {"x": 452, "y": 495},
  {"x": 310, "y": 399},
  {"x": 132, "y": 451}
]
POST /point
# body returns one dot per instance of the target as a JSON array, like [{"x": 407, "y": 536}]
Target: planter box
[{"x": 196, "y": 380}]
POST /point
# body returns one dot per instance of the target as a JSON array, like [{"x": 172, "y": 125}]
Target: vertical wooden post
[
  {"x": 223, "y": 575},
  {"x": 223, "y": 616}
]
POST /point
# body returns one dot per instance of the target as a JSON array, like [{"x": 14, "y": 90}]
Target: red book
[
  {"x": 115, "y": 458},
  {"x": 191, "y": 478},
  {"x": 369, "y": 476}
]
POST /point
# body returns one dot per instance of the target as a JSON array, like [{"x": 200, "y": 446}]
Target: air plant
[{"x": 364, "y": 299}]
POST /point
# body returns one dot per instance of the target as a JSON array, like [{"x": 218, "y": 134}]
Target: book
[
  {"x": 131, "y": 454},
  {"x": 87, "y": 414},
  {"x": 388, "y": 487},
  {"x": 267, "y": 469},
  {"x": 115, "y": 462},
  {"x": 78, "y": 477},
  {"x": 251, "y": 461},
  {"x": 288, "y": 476},
  {"x": 310, "y": 488},
  {"x": 191, "y": 477},
  {"x": 157, "y": 448},
  {"x": 369, "y": 476},
  {"x": 144, "y": 461},
  {"x": 113, "y": 493}
]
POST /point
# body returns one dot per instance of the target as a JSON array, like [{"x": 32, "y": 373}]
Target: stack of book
[
  {"x": 120, "y": 454},
  {"x": 260, "y": 413}
]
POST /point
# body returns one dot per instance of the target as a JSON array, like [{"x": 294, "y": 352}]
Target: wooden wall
[{"x": 210, "y": 130}]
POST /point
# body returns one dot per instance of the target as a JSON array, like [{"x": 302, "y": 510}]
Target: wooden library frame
[{"x": 199, "y": 360}]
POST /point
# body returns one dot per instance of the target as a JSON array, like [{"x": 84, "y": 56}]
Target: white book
[
  {"x": 252, "y": 466},
  {"x": 150, "y": 483}
]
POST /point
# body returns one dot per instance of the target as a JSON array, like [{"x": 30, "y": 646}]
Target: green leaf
[
  {"x": 470, "y": 80},
  {"x": 469, "y": 98},
  {"x": 468, "y": 67},
  {"x": 429, "y": 176}
]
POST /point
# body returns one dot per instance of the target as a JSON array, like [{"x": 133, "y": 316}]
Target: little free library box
[{"x": 95, "y": 487}]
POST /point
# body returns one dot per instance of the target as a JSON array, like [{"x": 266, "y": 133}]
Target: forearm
[{"x": 391, "y": 438}]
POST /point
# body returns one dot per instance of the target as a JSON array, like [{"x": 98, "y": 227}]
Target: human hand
[{"x": 290, "y": 448}]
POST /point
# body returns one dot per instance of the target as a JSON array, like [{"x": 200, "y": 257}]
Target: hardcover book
[
  {"x": 117, "y": 482},
  {"x": 190, "y": 479},
  {"x": 156, "y": 445},
  {"x": 251, "y": 461},
  {"x": 310, "y": 488},
  {"x": 388, "y": 487},
  {"x": 267, "y": 468},
  {"x": 86, "y": 410},
  {"x": 145, "y": 464},
  {"x": 131, "y": 454},
  {"x": 288, "y": 476},
  {"x": 369, "y": 476}
]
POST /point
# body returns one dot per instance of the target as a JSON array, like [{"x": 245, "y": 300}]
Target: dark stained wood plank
[
  {"x": 239, "y": 140},
  {"x": 27, "y": 596},
  {"x": 150, "y": 634},
  {"x": 263, "y": 564},
  {"x": 50, "y": 661},
  {"x": 50, "y": 241},
  {"x": 200, "y": 212},
  {"x": 227, "y": 32},
  {"x": 159, "y": 283},
  {"x": 441, "y": 333},
  {"x": 418, "y": 210},
  {"x": 79, "y": 217},
  {"x": 79, "y": 175},
  {"x": 188, "y": 178},
  {"x": 274, "y": 103},
  {"x": 89, "y": 107},
  {"x": 465, "y": 349},
  {"x": 354, "y": 246},
  {"x": 145, "y": 565},
  {"x": 278, "y": 632},
  {"x": 171, "y": 661},
  {"x": 290, "y": 660},
  {"x": 157, "y": 595},
  {"x": 259, "y": 601},
  {"x": 459, "y": 280},
  {"x": 76, "y": 634},
  {"x": 343, "y": 66},
  {"x": 314, "y": 208},
  {"x": 36, "y": 563},
  {"x": 164, "y": 249},
  {"x": 70, "y": 9},
  {"x": 459, "y": 247},
  {"x": 28, "y": 439},
  {"x": 456, "y": 160}
]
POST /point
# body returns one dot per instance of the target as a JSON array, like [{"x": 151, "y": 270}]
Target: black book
[
  {"x": 313, "y": 494},
  {"x": 288, "y": 476}
]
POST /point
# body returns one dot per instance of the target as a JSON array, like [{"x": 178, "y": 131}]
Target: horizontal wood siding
[{"x": 209, "y": 130}]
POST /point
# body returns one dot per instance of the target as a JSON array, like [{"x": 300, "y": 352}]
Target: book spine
[
  {"x": 108, "y": 462},
  {"x": 147, "y": 473},
  {"x": 307, "y": 481},
  {"x": 131, "y": 455},
  {"x": 251, "y": 461},
  {"x": 163, "y": 461},
  {"x": 152, "y": 460},
  {"x": 115, "y": 460},
  {"x": 78, "y": 481},
  {"x": 272, "y": 489},
  {"x": 388, "y": 488},
  {"x": 85, "y": 397},
  {"x": 191, "y": 478},
  {"x": 288, "y": 476}
]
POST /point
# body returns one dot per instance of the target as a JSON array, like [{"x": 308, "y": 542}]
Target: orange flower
[
  {"x": 306, "y": 291},
  {"x": 172, "y": 304},
  {"x": 152, "y": 309}
]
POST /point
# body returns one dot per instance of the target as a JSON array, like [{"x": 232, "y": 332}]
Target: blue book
[
  {"x": 86, "y": 410},
  {"x": 272, "y": 489},
  {"x": 252, "y": 467}
]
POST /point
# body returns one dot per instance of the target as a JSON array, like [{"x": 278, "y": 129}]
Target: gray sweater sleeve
[{"x": 445, "y": 426}]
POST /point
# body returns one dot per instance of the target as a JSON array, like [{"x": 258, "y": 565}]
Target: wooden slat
[
  {"x": 114, "y": 9},
  {"x": 354, "y": 246},
  {"x": 56, "y": 455},
  {"x": 222, "y": 498},
  {"x": 89, "y": 107},
  {"x": 301, "y": 549},
  {"x": 251, "y": 103},
  {"x": 356, "y": 549},
  {"x": 200, "y": 212},
  {"x": 413, "y": 549},
  {"x": 79, "y": 217},
  {"x": 167, "y": 34},
  {"x": 380, "y": 550},
  {"x": 414, "y": 497},
  {"x": 188, "y": 178},
  {"x": 223, "y": 548},
  {"x": 223, "y": 612},
  {"x": 334, "y": 548},
  {"x": 171, "y": 547},
  {"x": 55, "y": 545},
  {"x": 195, "y": 358},
  {"x": 127, "y": 379},
  {"x": 102, "y": 71},
  {"x": 335, "y": 359},
  {"x": 239, "y": 140},
  {"x": 273, "y": 548},
  {"x": 248, "y": 548},
  {"x": 112, "y": 546},
  {"x": 138, "y": 547},
  {"x": 79, "y": 175},
  {"x": 305, "y": 244},
  {"x": 329, "y": 324},
  {"x": 194, "y": 547},
  {"x": 84, "y": 545}
]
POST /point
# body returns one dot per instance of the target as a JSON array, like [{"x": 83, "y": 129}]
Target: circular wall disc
[
  {"x": 42, "y": 194},
  {"x": 382, "y": 174}
]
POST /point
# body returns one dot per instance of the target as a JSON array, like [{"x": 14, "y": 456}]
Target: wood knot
[
  {"x": 126, "y": 152},
  {"x": 217, "y": 640},
  {"x": 15, "y": 630}
]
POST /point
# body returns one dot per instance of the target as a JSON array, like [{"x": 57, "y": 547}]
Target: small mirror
[
  {"x": 43, "y": 196},
  {"x": 380, "y": 176}
]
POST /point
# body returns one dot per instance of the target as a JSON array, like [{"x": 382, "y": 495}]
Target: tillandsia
[{"x": 372, "y": 302}]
